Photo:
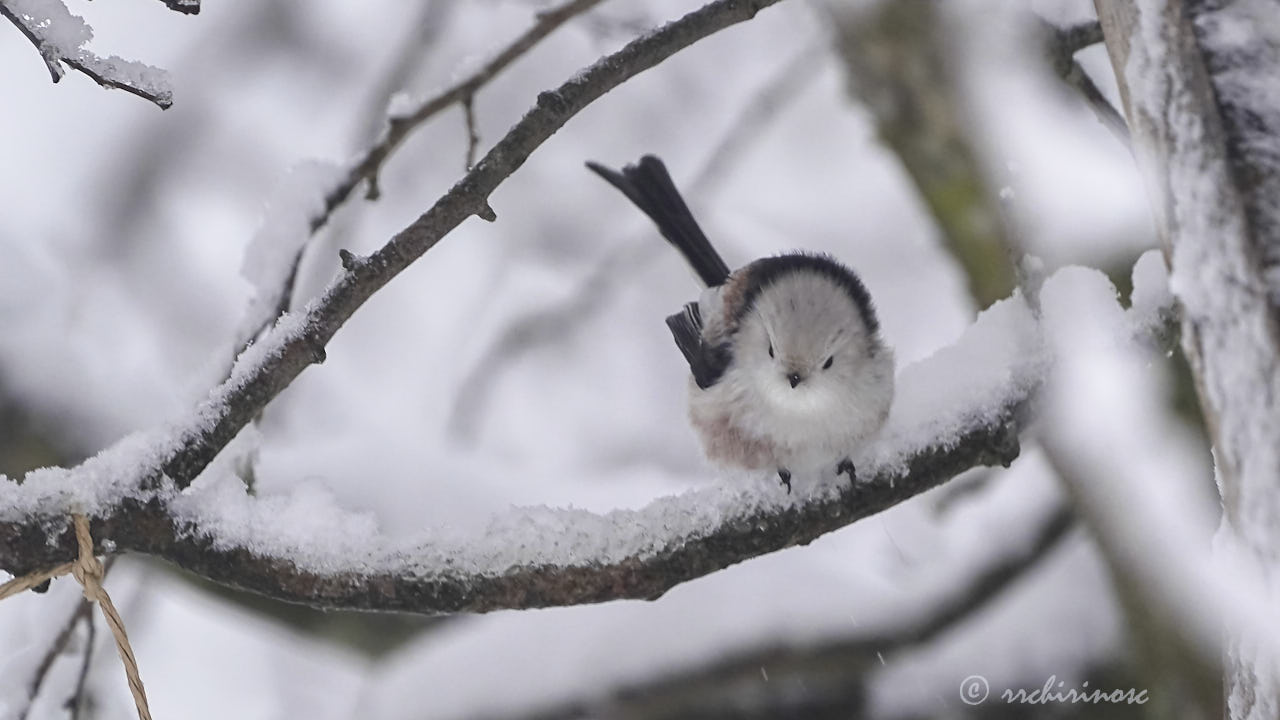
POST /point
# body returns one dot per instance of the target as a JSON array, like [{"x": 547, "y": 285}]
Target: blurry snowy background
[{"x": 525, "y": 362}]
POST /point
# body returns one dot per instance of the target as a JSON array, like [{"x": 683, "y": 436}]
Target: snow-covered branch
[
  {"x": 1198, "y": 82},
  {"x": 847, "y": 656},
  {"x": 303, "y": 548},
  {"x": 60, "y": 37},
  {"x": 531, "y": 558}
]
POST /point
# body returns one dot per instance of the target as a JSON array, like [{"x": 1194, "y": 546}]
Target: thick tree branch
[
  {"x": 286, "y": 352},
  {"x": 1197, "y": 80},
  {"x": 149, "y": 526}
]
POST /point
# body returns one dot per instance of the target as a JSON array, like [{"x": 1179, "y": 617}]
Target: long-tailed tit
[{"x": 788, "y": 368}]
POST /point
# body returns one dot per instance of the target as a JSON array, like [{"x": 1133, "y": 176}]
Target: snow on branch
[
  {"x": 303, "y": 548},
  {"x": 1198, "y": 81},
  {"x": 60, "y": 37}
]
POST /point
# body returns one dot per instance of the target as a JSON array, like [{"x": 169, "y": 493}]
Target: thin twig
[
  {"x": 368, "y": 165},
  {"x": 473, "y": 137},
  {"x": 75, "y": 702},
  {"x": 83, "y": 611},
  {"x": 1061, "y": 46}
]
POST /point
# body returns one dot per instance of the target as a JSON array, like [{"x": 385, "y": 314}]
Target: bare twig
[
  {"x": 83, "y": 611},
  {"x": 1061, "y": 46},
  {"x": 75, "y": 702},
  {"x": 473, "y": 136},
  {"x": 104, "y": 72},
  {"x": 368, "y": 165},
  {"x": 737, "y": 534}
]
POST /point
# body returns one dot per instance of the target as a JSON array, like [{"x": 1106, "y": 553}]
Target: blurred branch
[
  {"x": 75, "y": 703},
  {"x": 400, "y": 126},
  {"x": 1061, "y": 45},
  {"x": 83, "y": 612},
  {"x": 50, "y": 34},
  {"x": 822, "y": 680},
  {"x": 559, "y": 321},
  {"x": 898, "y": 65},
  {"x": 146, "y": 525}
]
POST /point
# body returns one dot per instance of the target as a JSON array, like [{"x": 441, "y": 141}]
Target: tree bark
[{"x": 1198, "y": 82}]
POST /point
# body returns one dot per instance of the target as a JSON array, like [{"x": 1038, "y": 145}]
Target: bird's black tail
[{"x": 649, "y": 186}]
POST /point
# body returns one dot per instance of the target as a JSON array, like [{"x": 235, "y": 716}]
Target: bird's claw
[
  {"x": 846, "y": 466},
  {"x": 784, "y": 476}
]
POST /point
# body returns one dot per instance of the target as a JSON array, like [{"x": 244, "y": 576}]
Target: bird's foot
[
  {"x": 846, "y": 466},
  {"x": 784, "y": 476}
]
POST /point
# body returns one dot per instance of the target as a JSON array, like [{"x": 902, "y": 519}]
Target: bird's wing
[{"x": 707, "y": 361}]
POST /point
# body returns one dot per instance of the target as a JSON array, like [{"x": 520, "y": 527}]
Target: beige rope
[{"x": 88, "y": 571}]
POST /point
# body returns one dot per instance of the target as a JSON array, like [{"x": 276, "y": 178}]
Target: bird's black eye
[
  {"x": 770, "y": 349},
  {"x": 830, "y": 360}
]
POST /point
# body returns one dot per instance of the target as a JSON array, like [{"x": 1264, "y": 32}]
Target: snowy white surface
[{"x": 141, "y": 290}]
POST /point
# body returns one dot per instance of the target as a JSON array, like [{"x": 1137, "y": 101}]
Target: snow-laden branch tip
[
  {"x": 60, "y": 38},
  {"x": 302, "y": 547}
]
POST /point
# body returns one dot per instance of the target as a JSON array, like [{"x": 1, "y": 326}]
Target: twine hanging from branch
[{"x": 88, "y": 571}]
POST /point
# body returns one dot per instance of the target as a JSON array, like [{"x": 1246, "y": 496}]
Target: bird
[{"x": 788, "y": 370}]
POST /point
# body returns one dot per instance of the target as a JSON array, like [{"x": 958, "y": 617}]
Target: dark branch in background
[
  {"x": 75, "y": 702},
  {"x": 83, "y": 612},
  {"x": 147, "y": 527},
  {"x": 243, "y": 397},
  {"x": 473, "y": 136},
  {"x": 1061, "y": 45},
  {"x": 899, "y": 66},
  {"x": 368, "y": 165},
  {"x": 762, "y": 682},
  {"x": 558, "y": 322},
  {"x": 90, "y": 64}
]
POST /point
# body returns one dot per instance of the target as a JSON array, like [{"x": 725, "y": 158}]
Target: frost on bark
[{"x": 1198, "y": 79}]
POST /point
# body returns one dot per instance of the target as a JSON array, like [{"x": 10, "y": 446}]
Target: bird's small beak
[{"x": 794, "y": 378}]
